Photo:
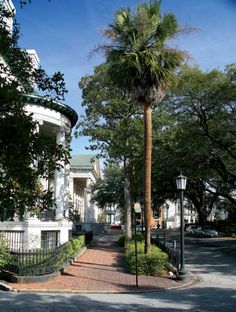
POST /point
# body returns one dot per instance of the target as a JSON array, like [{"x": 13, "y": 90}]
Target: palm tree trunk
[{"x": 147, "y": 176}]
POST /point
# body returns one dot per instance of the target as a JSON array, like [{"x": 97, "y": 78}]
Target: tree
[
  {"x": 20, "y": 145},
  {"x": 195, "y": 131},
  {"x": 139, "y": 61},
  {"x": 113, "y": 124},
  {"x": 24, "y": 2},
  {"x": 109, "y": 191}
]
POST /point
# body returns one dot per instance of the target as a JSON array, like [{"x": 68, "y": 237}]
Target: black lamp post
[{"x": 181, "y": 186}]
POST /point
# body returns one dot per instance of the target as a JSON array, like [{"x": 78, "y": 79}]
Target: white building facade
[
  {"x": 172, "y": 216},
  {"x": 56, "y": 120},
  {"x": 84, "y": 172}
]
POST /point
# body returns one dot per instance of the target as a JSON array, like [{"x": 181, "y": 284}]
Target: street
[{"x": 212, "y": 260}]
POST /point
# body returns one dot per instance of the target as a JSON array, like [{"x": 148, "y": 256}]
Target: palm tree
[{"x": 139, "y": 61}]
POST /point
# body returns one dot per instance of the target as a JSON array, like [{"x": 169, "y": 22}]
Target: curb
[
  {"x": 4, "y": 286},
  {"x": 193, "y": 280}
]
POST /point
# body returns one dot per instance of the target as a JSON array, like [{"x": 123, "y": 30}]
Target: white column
[
  {"x": 59, "y": 181},
  {"x": 89, "y": 207},
  {"x": 71, "y": 192},
  {"x": 82, "y": 204},
  {"x": 85, "y": 206},
  {"x": 66, "y": 190}
]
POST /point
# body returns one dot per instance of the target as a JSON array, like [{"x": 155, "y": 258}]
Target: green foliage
[
  {"x": 25, "y": 2},
  {"x": 108, "y": 191},
  {"x": 109, "y": 114},
  {"x": 71, "y": 249},
  {"x": 102, "y": 218},
  {"x": 138, "y": 237},
  {"x": 121, "y": 241},
  {"x": 114, "y": 125},
  {"x": 138, "y": 57},
  {"x": 68, "y": 251},
  {"x": 153, "y": 263},
  {"x": 139, "y": 61},
  {"x": 4, "y": 252},
  {"x": 195, "y": 131}
]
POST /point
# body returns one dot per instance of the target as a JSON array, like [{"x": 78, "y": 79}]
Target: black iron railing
[
  {"x": 174, "y": 255},
  {"x": 35, "y": 261},
  {"x": 44, "y": 260}
]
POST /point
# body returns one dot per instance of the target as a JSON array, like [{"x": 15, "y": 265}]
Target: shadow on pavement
[{"x": 210, "y": 299}]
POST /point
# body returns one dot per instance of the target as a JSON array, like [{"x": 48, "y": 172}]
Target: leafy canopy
[{"x": 111, "y": 119}]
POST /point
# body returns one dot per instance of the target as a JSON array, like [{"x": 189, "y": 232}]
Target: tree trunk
[
  {"x": 147, "y": 176},
  {"x": 202, "y": 215},
  {"x": 128, "y": 230}
]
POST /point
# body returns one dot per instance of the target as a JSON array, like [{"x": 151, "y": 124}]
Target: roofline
[{"x": 53, "y": 104}]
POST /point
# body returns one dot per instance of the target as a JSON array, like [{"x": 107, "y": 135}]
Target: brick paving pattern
[{"x": 99, "y": 269}]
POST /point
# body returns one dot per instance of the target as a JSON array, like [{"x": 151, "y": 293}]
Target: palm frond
[{"x": 138, "y": 58}]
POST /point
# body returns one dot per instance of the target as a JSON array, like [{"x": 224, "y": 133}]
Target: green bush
[
  {"x": 4, "y": 252},
  {"x": 139, "y": 237},
  {"x": 78, "y": 243},
  {"x": 153, "y": 263},
  {"x": 72, "y": 247},
  {"x": 121, "y": 240}
]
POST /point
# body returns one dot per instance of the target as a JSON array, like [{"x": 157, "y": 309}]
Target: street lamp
[{"x": 181, "y": 186}]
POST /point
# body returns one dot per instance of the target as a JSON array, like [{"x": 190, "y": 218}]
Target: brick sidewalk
[{"x": 100, "y": 269}]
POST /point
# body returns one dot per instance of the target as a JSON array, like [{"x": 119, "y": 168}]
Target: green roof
[{"x": 82, "y": 161}]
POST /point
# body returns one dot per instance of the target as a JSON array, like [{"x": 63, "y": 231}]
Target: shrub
[
  {"x": 69, "y": 251},
  {"x": 4, "y": 252},
  {"x": 121, "y": 240},
  {"x": 139, "y": 237},
  {"x": 78, "y": 243},
  {"x": 153, "y": 263}
]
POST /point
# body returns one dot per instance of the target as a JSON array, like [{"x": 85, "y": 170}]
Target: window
[
  {"x": 14, "y": 239},
  {"x": 50, "y": 239}
]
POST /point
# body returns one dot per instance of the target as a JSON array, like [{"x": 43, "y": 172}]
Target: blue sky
[{"x": 63, "y": 32}]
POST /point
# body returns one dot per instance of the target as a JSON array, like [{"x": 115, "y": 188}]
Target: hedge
[{"x": 153, "y": 263}]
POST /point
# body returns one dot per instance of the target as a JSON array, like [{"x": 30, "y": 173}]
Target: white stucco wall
[{"x": 32, "y": 229}]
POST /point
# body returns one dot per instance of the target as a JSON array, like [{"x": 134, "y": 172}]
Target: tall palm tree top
[{"x": 137, "y": 55}]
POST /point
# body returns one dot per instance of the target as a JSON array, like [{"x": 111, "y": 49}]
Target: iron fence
[
  {"x": 174, "y": 255},
  {"x": 35, "y": 261},
  {"x": 47, "y": 256}
]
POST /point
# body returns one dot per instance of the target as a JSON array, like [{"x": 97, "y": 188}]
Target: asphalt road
[{"x": 213, "y": 261}]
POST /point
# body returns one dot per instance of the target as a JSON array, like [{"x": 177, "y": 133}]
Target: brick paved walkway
[{"x": 100, "y": 269}]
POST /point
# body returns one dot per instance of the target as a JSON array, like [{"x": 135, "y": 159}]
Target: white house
[
  {"x": 84, "y": 171},
  {"x": 171, "y": 214},
  {"x": 55, "y": 119}
]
